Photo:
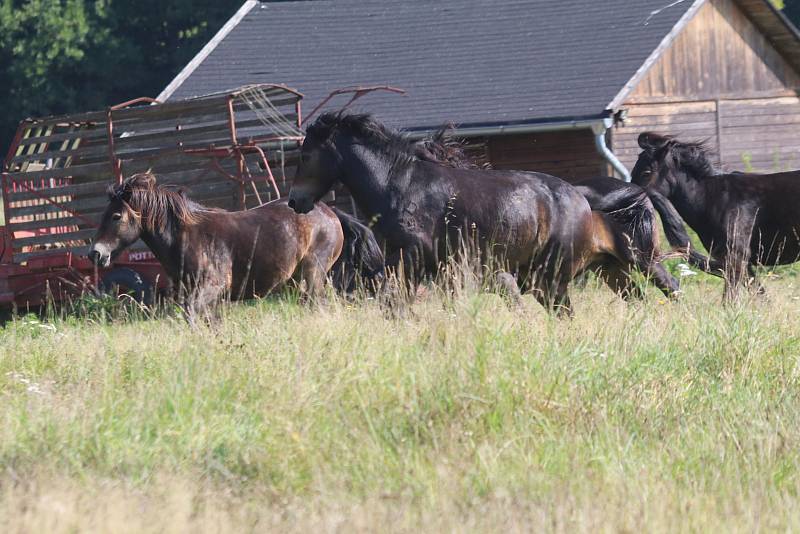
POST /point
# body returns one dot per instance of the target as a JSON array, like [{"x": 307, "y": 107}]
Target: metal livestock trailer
[{"x": 229, "y": 150}]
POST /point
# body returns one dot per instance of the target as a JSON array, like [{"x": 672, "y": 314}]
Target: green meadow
[{"x": 456, "y": 413}]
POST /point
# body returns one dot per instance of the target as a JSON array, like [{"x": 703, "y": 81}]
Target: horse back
[
  {"x": 268, "y": 243},
  {"x": 530, "y": 213}
]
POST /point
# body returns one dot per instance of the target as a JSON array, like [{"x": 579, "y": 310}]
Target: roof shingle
[{"x": 474, "y": 62}]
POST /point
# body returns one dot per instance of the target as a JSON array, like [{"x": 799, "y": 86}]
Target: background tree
[{"x": 60, "y": 56}]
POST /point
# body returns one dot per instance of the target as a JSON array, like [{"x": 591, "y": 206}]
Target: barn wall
[
  {"x": 760, "y": 134},
  {"x": 721, "y": 82},
  {"x": 568, "y": 154},
  {"x": 687, "y": 120},
  {"x": 720, "y": 54}
]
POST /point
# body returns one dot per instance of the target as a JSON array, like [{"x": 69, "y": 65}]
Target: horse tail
[
  {"x": 677, "y": 236},
  {"x": 361, "y": 258},
  {"x": 631, "y": 231},
  {"x": 633, "y": 215}
]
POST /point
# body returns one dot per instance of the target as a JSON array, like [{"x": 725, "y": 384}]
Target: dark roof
[{"x": 477, "y": 62}]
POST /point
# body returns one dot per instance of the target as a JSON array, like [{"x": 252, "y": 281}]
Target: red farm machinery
[{"x": 230, "y": 150}]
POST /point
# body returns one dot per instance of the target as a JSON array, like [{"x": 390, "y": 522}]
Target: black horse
[
  {"x": 743, "y": 219},
  {"x": 361, "y": 263},
  {"x": 541, "y": 227}
]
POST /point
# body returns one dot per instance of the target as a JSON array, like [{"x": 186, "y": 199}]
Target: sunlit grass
[{"x": 455, "y": 413}]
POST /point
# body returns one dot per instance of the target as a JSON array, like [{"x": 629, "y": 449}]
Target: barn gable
[{"x": 720, "y": 53}]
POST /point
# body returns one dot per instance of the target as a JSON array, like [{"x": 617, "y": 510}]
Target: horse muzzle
[
  {"x": 300, "y": 204},
  {"x": 99, "y": 258}
]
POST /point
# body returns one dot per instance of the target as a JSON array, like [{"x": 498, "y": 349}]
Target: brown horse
[
  {"x": 211, "y": 253},
  {"x": 743, "y": 220},
  {"x": 541, "y": 227}
]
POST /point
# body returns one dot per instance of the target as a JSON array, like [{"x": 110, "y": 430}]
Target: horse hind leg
[
  {"x": 312, "y": 275},
  {"x": 557, "y": 300},
  {"x": 553, "y": 294},
  {"x": 508, "y": 288},
  {"x": 663, "y": 280},
  {"x": 621, "y": 282},
  {"x": 612, "y": 244}
]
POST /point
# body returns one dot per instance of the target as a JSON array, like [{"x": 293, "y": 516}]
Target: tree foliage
[{"x": 60, "y": 56}]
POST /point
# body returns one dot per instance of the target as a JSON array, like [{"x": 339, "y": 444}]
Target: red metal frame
[
  {"x": 65, "y": 273},
  {"x": 357, "y": 91}
]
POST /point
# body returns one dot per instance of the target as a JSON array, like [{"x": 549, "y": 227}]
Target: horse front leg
[
  {"x": 664, "y": 281},
  {"x": 739, "y": 229},
  {"x": 736, "y": 273}
]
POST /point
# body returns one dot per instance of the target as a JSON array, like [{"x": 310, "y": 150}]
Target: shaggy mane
[
  {"x": 156, "y": 204},
  {"x": 437, "y": 148},
  {"x": 691, "y": 156}
]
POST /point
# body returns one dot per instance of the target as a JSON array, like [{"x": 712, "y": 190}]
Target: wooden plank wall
[
  {"x": 567, "y": 154},
  {"x": 745, "y": 135},
  {"x": 720, "y": 54},
  {"x": 695, "y": 121},
  {"x": 760, "y": 134}
]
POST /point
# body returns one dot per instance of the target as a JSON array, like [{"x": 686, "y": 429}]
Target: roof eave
[
  {"x": 778, "y": 29},
  {"x": 549, "y": 125},
  {"x": 187, "y": 71}
]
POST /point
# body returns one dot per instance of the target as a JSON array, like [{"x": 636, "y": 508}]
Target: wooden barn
[{"x": 547, "y": 85}]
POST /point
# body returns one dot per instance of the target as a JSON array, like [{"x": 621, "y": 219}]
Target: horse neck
[
  {"x": 168, "y": 246},
  {"x": 368, "y": 176},
  {"x": 689, "y": 196}
]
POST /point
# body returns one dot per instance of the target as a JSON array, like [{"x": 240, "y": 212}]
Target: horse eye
[{"x": 116, "y": 216}]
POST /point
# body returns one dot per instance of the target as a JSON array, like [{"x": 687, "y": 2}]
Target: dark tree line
[{"x": 60, "y": 56}]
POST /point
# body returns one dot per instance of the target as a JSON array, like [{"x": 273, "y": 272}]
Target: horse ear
[
  {"x": 144, "y": 180},
  {"x": 652, "y": 141}
]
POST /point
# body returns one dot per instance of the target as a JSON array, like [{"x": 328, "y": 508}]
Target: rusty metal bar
[
  {"x": 267, "y": 167},
  {"x": 140, "y": 100},
  {"x": 116, "y": 163},
  {"x": 358, "y": 92},
  {"x": 116, "y": 166},
  {"x": 242, "y": 199},
  {"x": 299, "y": 113}
]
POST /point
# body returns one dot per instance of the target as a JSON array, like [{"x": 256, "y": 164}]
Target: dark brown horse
[
  {"x": 211, "y": 253},
  {"x": 604, "y": 194},
  {"x": 744, "y": 220},
  {"x": 541, "y": 227}
]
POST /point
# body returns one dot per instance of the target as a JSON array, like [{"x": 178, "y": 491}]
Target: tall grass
[{"x": 460, "y": 413}]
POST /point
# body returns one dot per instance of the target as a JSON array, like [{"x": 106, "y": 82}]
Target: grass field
[{"x": 458, "y": 414}]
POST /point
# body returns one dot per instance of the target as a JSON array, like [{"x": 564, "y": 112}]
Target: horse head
[{"x": 665, "y": 162}]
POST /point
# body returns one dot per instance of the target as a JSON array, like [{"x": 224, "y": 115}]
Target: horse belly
[{"x": 771, "y": 247}]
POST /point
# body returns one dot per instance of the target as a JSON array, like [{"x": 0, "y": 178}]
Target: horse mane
[
  {"x": 156, "y": 204},
  {"x": 692, "y": 156},
  {"x": 364, "y": 127},
  {"x": 437, "y": 148},
  {"x": 440, "y": 147}
]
